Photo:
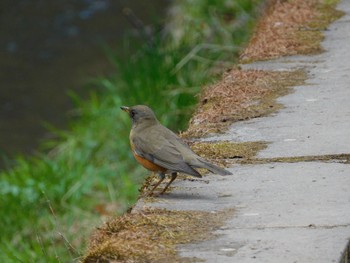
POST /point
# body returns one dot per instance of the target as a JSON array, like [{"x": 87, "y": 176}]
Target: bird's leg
[
  {"x": 162, "y": 176},
  {"x": 173, "y": 177}
]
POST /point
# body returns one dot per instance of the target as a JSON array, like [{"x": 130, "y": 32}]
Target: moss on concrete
[
  {"x": 339, "y": 158},
  {"x": 222, "y": 151}
]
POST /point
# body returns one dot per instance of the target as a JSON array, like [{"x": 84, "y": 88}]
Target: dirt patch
[
  {"x": 240, "y": 95},
  {"x": 290, "y": 28},
  {"x": 151, "y": 235}
]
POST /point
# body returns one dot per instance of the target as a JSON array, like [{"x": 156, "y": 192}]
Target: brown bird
[{"x": 160, "y": 150}]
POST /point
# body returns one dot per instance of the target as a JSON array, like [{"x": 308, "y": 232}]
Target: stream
[{"x": 48, "y": 48}]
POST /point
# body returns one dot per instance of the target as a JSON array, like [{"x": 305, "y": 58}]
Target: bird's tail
[{"x": 213, "y": 168}]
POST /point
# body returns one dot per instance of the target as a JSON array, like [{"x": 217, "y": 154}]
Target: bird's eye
[{"x": 132, "y": 113}]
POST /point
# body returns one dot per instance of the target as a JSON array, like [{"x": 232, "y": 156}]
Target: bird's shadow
[{"x": 183, "y": 196}]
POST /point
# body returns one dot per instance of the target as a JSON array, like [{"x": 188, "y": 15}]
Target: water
[{"x": 48, "y": 47}]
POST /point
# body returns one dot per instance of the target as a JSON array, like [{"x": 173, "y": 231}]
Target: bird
[{"x": 160, "y": 150}]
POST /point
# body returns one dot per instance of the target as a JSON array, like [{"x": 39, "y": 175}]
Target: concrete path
[{"x": 286, "y": 212}]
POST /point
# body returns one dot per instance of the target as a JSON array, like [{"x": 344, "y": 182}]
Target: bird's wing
[{"x": 162, "y": 147}]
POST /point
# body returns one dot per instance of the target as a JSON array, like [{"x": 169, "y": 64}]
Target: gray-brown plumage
[{"x": 160, "y": 150}]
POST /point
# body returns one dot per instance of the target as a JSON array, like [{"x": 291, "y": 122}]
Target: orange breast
[
  {"x": 145, "y": 163},
  {"x": 149, "y": 165}
]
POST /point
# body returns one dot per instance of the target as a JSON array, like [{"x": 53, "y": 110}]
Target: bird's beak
[{"x": 126, "y": 109}]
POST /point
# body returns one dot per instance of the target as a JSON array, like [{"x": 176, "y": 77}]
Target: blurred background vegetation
[{"x": 52, "y": 201}]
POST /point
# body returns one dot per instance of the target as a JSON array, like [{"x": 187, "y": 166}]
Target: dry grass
[
  {"x": 240, "y": 95},
  {"x": 150, "y": 235},
  {"x": 289, "y": 28}
]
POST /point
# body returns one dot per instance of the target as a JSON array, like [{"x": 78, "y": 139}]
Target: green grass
[{"x": 51, "y": 202}]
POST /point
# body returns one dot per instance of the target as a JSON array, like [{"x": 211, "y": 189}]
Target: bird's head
[{"x": 140, "y": 114}]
